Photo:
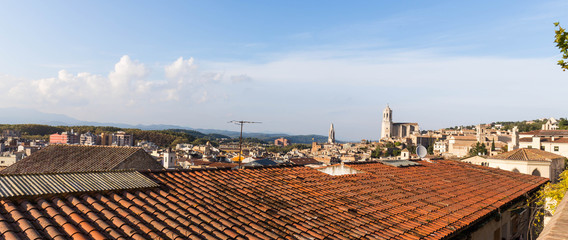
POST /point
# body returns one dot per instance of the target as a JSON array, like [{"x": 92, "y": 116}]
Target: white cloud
[
  {"x": 127, "y": 75},
  {"x": 180, "y": 68},
  {"x": 126, "y": 85},
  {"x": 311, "y": 84},
  {"x": 184, "y": 78}
]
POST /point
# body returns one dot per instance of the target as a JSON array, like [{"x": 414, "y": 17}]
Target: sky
[{"x": 295, "y": 66}]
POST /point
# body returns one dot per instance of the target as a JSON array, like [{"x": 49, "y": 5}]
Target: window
[
  {"x": 556, "y": 148},
  {"x": 497, "y": 234}
]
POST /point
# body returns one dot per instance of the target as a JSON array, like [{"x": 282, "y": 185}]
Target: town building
[
  {"x": 391, "y": 130},
  {"x": 169, "y": 159},
  {"x": 9, "y": 133},
  {"x": 438, "y": 200},
  {"x": 121, "y": 138},
  {"x": 64, "y": 138},
  {"x": 106, "y": 139},
  {"x": 9, "y": 158},
  {"x": 554, "y": 141},
  {"x": 440, "y": 147},
  {"x": 525, "y": 160},
  {"x": 459, "y": 146},
  {"x": 89, "y": 138},
  {"x": 282, "y": 142},
  {"x": 77, "y": 158},
  {"x": 551, "y": 124}
]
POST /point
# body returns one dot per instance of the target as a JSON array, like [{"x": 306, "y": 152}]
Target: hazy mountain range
[{"x": 31, "y": 116}]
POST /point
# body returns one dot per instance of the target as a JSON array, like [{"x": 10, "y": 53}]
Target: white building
[
  {"x": 551, "y": 124},
  {"x": 121, "y": 138},
  {"x": 88, "y": 138},
  {"x": 440, "y": 146},
  {"x": 525, "y": 160},
  {"x": 553, "y": 141}
]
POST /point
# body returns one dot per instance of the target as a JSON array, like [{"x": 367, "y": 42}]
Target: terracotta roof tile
[
  {"x": 528, "y": 154},
  {"x": 427, "y": 201},
  {"x": 80, "y": 158}
]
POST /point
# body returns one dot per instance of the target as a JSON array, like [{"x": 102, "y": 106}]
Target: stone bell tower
[{"x": 387, "y": 123}]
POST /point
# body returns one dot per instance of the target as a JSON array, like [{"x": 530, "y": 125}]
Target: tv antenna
[{"x": 241, "y": 122}]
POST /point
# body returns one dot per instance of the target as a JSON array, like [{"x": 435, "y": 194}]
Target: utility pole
[{"x": 241, "y": 122}]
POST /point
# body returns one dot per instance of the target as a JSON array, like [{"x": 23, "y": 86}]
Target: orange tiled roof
[
  {"x": 79, "y": 158},
  {"x": 542, "y": 139},
  {"x": 431, "y": 201},
  {"x": 546, "y": 132},
  {"x": 528, "y": 154}
]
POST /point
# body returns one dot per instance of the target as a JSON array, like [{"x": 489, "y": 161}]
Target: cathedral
[{"x": 392, "y": 130}]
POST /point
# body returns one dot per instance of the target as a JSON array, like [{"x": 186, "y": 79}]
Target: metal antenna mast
[{"x": 241, "y": 122}]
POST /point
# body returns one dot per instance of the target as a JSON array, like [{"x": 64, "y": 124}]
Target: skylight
[
  {"x": 400, "y": 163},
  {"x": 338, "y": 170}
]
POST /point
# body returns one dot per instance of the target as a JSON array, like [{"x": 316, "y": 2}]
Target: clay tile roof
[
  {"x": 436, "y": 200},
  {"x": 547, "y": 133},
  {"x": 543, "y": 139},
  {"x": 78, "y": 158},
  {"x": 528, "y": 154}
]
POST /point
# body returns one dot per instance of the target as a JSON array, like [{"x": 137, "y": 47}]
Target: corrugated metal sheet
[
  {"x": 56, "y": 183},
  {"x": 400, "y": 163}
]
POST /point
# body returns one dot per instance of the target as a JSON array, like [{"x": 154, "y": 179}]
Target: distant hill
[
  {"x": 269, "y": 137},
  {"x": 31, "y": 116}
]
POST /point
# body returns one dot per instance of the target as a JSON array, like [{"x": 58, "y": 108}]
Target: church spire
[{"x": 331, "y": 137}]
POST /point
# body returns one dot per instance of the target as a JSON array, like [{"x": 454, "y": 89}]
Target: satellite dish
[{"x": 421, "y": 151}]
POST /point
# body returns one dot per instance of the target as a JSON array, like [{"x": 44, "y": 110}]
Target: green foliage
[
  {"x": 392, "y": 149},
  {"x": 547, "y": 199},
  {"x": 493, "y": 145},
  {"x": 561, "y": 40},
  {"x": 378, "y": 152},
  {"x": 523, "y": 126},
  {"x": 203, "y": 141},
  {"x": 431, "y": 149},
  {"x": 389, "y": 145},
  {"x": 563, "y": 124},
  {"x": 32, "y": 129},
  {"x": 554, "y": 192},
  {"x": 282, "y": 150},
  {"x": 248, "y": 140},
  {"x": 412, "y": 149},
  {"x": 478, "y": 149},
  {"x": 162, "y": 138},
  {"x": 394, "y": 152}
]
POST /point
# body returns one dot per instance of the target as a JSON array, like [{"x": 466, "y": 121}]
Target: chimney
[{"x": 536, "y": 142}]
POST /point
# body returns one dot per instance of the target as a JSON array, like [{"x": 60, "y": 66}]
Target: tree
[
  {"x": 478, "y": 149},
  {"x": 561, "y": 40},
  {"x": 493, "y": 145},
  {"x": 505, "y": 148},
  {"x": 546, "y": 200},
  {"x": 411, "y": 148},
  {"x": 377, "y": 153}
]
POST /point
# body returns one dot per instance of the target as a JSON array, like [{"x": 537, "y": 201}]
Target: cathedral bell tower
[{"x": 387, "y": 123}]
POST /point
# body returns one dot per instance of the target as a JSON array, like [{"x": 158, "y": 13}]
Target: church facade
[{"x": 390, "y": 130}]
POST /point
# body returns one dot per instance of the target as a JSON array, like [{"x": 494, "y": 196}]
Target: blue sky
[{"x": 296, "y": 66}]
